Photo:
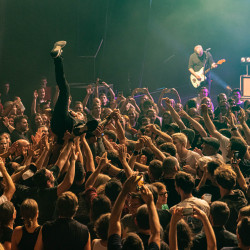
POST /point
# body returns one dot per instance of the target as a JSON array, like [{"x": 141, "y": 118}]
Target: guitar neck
[{"x": 206, "y": 71}]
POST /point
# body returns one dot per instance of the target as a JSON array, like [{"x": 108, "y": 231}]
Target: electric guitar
[{"x": 195, "y": 82}]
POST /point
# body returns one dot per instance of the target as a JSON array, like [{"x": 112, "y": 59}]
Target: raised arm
[
  {"x": 240, "y": 178},
  {"x": 175, "y": 92},
  {"x": 103, "y": 161},
  {"x": 208, "y": 122},
  {"x": 148, "y": 142},
  {"x": 231, "y": 119},
  {"x": 114, "y": 221},
  {"x": 158, "y": 132},
  {"x": 160, "y": 105},
  {"x": 197, "y": 126},
  {"x": 176, "y": 216},
  {"x": 242, "y": 120},
  {"x": 10, "y": 186},
  {"x": 154, "y": 223},
  {"x": 89, "y": 92},
  {"x": 69, "y": 177},
  {"x": 34, "y": 101},
  {"x": 64, "y": 155},
  {"x": 174, "y": 114},
  {"x": 122, "y": 152},
  {"x": 118, "y": 126},
  {"x": 7, "y": 124},
  {"x": 90, "y": 165},
  {"x": 208, "y": 230},
  {"x": 112, "y": 94}
]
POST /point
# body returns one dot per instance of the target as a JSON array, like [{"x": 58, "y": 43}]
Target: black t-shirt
[
  {"x": 28, "y": 240},
  {"x": 45, "y": 197},
  {"x": 210, "y": 189},
  {"x": 223, "y": 237},
  {"x": 6, "y": 234},
  {"x": 64, "y": 233},
  {"x": 15, "y": 135},
  {"x": 196, "y": 62},
  {"x": 115, "y": 243}
]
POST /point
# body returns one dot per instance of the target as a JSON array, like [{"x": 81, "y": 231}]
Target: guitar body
[{"x": 195, "y": 82}]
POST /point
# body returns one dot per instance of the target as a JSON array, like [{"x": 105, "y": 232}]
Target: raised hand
[
  {"x": 103, "y": 161},
  {"x": 152, "y": 127},
  {"x": 35, "y": 94},
  {"x": 167, "y": 101},
  {"x": 177, "y": 214},
  {"x": 197, "y": 150},
  {"x": 122, "y": 152},
  {"x": 198, "y": 213},
  {"x": 131, "y": 183},
  {"x": 12, "y": 149},
  {"x": 89, "y": 90},
  {"x": 204, "y": 108},
  {"x": 6, "y": 121},
  {"x": 99, "y": 131},
  {"x": 74, "y": 155},
  {"x": 146, "y": 194},
  {"x": 183, "y": 113},
  {"x": 242, "y": 116},
  {"x": 139, "y": 145},
  {"x": 147, "y": 141}
]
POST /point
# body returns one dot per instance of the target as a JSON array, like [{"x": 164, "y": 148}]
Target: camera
[
  {"x": 235, "y": 156},
  {"x": 187, "y": 211}
]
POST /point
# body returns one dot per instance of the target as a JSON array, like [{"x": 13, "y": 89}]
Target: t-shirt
[
  {"x": 235, "y": 202},
  {"x": 223, "y": 237},
  {"x": 196, "y": 62},
  {"x": 115, "y": 243},
  {"x": 64, "y": 233},
  {"x": 6, "y": 235},
  {"x": 195, "y": 224},
  {"x": 190, "y": 159},
  {"x": 3, "y": 198}
]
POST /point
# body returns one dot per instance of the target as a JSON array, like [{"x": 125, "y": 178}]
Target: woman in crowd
[{"x": 24, "y": 237}]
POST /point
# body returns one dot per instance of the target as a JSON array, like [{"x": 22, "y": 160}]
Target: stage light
[{"x": 245, "y": 61}]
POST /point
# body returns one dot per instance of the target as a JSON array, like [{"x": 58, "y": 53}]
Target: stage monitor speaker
[{"x": 245, "y": 85}]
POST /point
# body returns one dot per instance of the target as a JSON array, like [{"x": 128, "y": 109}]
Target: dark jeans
[{"x": 61, "y": 120}]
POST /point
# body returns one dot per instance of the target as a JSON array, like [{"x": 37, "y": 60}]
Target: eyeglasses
[{"x": 164, "y": 194}]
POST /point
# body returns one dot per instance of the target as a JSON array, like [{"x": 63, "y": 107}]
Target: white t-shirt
[
  {"x": 190, "y": 159},
  {"x": 3, "y": 198}
]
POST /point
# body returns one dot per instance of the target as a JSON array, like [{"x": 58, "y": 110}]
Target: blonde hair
[
  {"x": 101, "y": 179},
  {"x": 182, "y": 138}
]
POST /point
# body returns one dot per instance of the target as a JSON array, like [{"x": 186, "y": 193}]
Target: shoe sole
[{"x": 57, "y": 49}]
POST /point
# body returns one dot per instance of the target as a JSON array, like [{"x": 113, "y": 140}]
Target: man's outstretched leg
[{"x": 61, "y": 121}]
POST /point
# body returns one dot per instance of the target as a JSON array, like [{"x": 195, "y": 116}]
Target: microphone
[{"x": 208, "y": 49}]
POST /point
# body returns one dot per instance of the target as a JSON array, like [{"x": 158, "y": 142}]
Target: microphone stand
[{"x": 204, "y": 69}]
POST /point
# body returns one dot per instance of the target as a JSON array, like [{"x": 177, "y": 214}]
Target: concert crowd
[{"x": 123, "y": 172}]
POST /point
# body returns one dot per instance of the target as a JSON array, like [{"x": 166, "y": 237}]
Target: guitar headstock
[{"x": 221, "y": 61}]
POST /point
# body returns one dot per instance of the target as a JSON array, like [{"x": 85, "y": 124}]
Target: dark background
[{"x": 145, "y": 43}]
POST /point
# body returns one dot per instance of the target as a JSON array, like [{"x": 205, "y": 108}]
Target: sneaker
[{"x": 57, "y": 50}]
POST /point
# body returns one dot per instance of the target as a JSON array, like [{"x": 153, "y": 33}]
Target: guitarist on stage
[{"x": 198, "y": 60}]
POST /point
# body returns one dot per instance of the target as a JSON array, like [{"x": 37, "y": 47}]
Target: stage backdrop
[{"x": 130, "y": 43}]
